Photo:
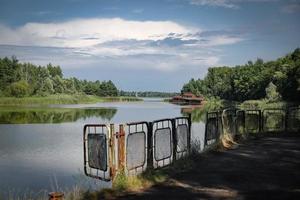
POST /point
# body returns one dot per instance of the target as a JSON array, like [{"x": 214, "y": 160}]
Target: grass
[
  {"x": 264, "y": 104},
  {"x": 61, "y": 99}
]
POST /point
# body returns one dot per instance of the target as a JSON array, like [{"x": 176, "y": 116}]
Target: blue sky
[{"x": 147, "y": 45}]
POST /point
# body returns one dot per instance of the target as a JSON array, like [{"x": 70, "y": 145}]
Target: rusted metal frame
[
  {"x": 121, "y": 147},
  {"x": 258, "y": 113},
  {"x": 156, "y": 123},
  {"x": 177, "y": 124},
  {"x": 85, "y": 135},
  {"x": 211, "y": 115},
  {"x": 170, "y": 145},
  {"x": 150, "y": 146},
  {"x": 112, "y": 161},
  {"x": 143, "y": 123},
  {"x": 273, "y": 110},
  {"x": 174, "y": 135}
]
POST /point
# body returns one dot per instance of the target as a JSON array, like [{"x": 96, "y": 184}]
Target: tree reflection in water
[{"x": 52, "y": 115}]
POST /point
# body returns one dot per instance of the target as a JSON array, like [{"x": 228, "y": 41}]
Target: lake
[{"x": 41, "y": 148}]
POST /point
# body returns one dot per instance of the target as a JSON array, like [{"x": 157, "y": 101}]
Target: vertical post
[
  {"x": 150, "y": 146},
  {"x": 205, "y": 134},
  {"x": 121, "y": 148},
  {"x": 261, "y": 121},
  {"x": 112, "y": 161},
  {"x": 189, "y": 132},
  {"x": 174, "y": 136}
]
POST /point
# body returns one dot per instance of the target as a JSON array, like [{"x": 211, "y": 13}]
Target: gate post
[
  {"x": 150, "y": 146},
  {"x": 189, "y": 132},
  {"x": 112, "y": 161},
  {"x": 121, "y": 148},
  {"x": 174, "y": 139}
]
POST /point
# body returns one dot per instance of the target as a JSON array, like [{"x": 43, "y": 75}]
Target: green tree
[{"x": 19, "y": 89}]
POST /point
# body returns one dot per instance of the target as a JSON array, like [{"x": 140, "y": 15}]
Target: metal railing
[
  {"x": 239, "y": 122},
  {"x": 134, "y": 147}
]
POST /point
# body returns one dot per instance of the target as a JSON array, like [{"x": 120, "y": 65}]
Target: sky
[{"x": 153, "y": 45}]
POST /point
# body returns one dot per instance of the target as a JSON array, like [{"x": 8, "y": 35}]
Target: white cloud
[
  {"x": 159, "y": 45},
  {"x": 87, "y": 32},
  {"x": 233, "y": 4}
]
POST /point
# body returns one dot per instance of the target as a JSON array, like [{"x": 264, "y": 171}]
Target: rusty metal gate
[
  {"x": 136, "y": 147},
  {"x": 162, "y": 142},
  {"x": 252, "y": 121},
  {"x": 273, "y": 120},
  {"x": 96, "y": 155},
  {"x": 182, "y": 136},
  {"x": 211, "y": 128},
  {"x": 133, "y": 147}
]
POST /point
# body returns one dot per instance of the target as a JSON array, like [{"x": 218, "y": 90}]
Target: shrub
[
  {"x": 19, "y": 89},
  {"x": 272, "y": 95}
]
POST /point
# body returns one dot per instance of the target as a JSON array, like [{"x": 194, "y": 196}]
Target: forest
[
  {"x": 26, "y": 79},
  {"x": 274, "y": 80}
]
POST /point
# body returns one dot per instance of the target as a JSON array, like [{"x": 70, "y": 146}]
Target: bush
[
  {"x": 19, "y": 89},
  {"x": 272, "y": 95}
]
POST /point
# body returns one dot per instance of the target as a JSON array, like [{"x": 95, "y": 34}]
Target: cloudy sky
[{"x": 147, "y": 45}]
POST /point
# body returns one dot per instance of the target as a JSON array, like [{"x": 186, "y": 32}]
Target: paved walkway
[{"x": 263, "y": 168}]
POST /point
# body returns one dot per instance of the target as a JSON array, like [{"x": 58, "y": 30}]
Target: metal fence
[
  {"x": 134, "y": 147},
  {"x": 238, "y": 122}
]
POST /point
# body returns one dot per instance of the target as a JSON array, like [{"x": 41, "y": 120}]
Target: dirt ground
[{"x": 261, "y": 168}]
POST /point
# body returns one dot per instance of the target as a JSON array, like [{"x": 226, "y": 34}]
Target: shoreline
[{"x": 62, "y": 99}]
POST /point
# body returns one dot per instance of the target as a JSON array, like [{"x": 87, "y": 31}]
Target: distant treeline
[
  {"x": 26, "y": 79},
  {"x": 148, "y": 94},
  {"x": 254, "y": 80}
]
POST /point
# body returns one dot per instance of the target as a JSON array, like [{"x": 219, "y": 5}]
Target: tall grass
[{"x": 61, "y": 99}]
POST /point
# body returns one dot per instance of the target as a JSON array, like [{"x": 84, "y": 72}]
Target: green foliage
[
  {"x": 19, "y": 89},
  {"x": 44, "y": 81},
  {"x": 271, "y": 93},
  {"x": 249, "y": 81}
]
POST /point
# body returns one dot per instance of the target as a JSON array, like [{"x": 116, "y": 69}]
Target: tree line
[
  {"x": 279, "y": 79},
  {"x": 26, "y": 79}
]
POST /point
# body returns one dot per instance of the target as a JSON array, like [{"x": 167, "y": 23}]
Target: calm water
[{"x": 41, "y": 148}]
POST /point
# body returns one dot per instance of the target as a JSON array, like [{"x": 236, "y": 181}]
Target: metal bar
[
  {"x": 150, "y": 146},
  {"x": 121, "y": 148}
]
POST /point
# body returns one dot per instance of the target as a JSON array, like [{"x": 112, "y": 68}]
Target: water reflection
[{"x": 52, "y": 115}]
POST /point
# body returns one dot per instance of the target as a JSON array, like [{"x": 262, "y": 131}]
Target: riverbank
[
  {"x": 61, "y": 99},
  {"x": 260, "y": 168}
]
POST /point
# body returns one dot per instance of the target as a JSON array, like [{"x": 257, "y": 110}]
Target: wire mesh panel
[
  {"x": 240, "y": 122},
  {"x": 136, "y": 147},
  {"x": 228, "y": 119},
  {"x": 182, "y": 136},
  {"x": 162, "y": 142},
  {"x": 293, "y": 119},
  {"x": 273, "y": 120},
  {"x": 211, "y": 128},
  {"x": 96, "y": 141},
  {"x": 252, "y": 121}
]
